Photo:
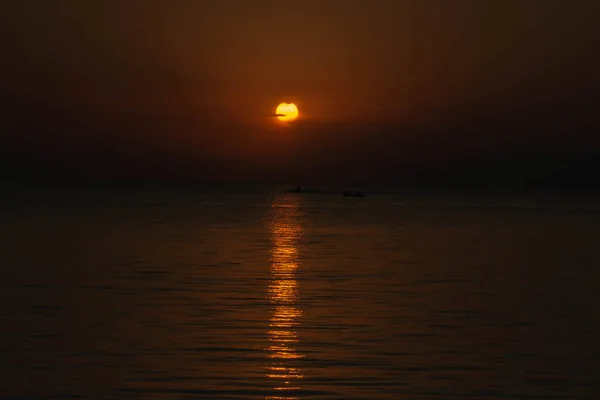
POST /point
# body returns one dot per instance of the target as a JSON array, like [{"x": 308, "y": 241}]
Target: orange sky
[{"x": 199, "y": 79}]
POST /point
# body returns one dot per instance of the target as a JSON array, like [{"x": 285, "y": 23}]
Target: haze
[{"x": 392, "y": 91}]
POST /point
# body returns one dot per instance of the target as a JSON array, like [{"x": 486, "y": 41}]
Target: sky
[{"x": 389, "y": 91}]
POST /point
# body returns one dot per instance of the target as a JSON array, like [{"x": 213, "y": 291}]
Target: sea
[{"x": 255, "y": 293}]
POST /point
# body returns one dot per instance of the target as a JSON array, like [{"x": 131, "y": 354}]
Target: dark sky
[{"x": 388, "y": 90}]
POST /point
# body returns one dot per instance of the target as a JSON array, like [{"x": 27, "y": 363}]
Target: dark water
[{"x": 108, "y": 294}]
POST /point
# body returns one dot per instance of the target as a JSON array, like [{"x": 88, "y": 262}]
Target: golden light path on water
[{"x": 286, "y": 231}]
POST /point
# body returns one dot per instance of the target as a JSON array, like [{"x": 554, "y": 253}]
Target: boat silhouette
[
  {"x": 297, "y": 189},
  {"x": 353, "y": 193}
]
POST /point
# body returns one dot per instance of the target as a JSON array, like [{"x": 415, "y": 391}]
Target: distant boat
[
  {"x": 297, "y": 189},
  {"x": 353, "y": 193}
]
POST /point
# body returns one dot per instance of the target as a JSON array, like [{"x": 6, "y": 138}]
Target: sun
[{"x": 287, "y": 112}]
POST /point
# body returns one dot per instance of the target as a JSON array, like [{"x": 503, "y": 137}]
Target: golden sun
[{"x": 287, "y": 112}]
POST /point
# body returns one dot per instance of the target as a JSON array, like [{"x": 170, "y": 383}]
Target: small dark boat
[
  {"x": 298, "y": 189},
  {"x": 353, "y": 193}
]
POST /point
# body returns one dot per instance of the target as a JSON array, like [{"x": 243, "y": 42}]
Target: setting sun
[{"x": 287, "y": 112}]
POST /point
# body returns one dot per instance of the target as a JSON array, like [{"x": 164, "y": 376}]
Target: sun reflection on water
[{"x": 286, "y": 232}]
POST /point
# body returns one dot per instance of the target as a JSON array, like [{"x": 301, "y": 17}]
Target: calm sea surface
[{"x": 224, "y": 294}]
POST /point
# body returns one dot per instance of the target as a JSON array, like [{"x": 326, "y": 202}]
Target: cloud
[{"x": 275, "y": 115}]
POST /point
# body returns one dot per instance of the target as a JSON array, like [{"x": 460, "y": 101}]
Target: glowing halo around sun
[{"x": 287, "y": 112}]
